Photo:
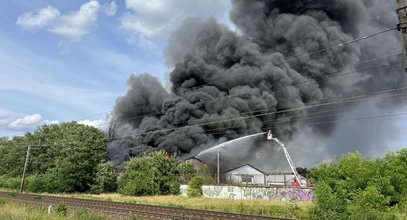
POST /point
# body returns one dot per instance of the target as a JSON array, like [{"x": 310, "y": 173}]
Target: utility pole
[
  {"x": 27, "y": 156},
  {"x": 25, "y": 168},
  {"x": 218, "y": 168},
  {"x": 402, "y": 26},
  {"x": 218, "y": 162}
]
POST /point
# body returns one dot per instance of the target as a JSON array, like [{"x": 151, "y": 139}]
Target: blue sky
[{"x": 69, "y": 60}]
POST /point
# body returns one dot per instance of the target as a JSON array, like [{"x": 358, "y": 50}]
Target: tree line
[
  {"x": 71, "y": 157},
  {"x": 357, "y": 188}
]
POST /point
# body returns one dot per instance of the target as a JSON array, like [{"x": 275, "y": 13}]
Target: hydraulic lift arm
[{"x": 287, "y": 156}]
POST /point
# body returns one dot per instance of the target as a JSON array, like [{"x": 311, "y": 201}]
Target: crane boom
[
  {"x": 287, "y": 156},
  {"x": 290, "y": 162}
]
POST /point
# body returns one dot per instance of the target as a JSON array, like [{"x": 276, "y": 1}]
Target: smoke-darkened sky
[
  {"x": 227, "y": 83},
  {"x": 69, "y": 60}
]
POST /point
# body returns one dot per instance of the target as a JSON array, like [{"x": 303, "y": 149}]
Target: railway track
[{"x": 120, "y": 210}]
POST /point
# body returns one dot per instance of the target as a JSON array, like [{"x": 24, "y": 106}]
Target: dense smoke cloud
[{"x": 219, "y": 74}]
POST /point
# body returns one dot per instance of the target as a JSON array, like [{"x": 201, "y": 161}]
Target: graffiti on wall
[{"x": 247, "y": 193}]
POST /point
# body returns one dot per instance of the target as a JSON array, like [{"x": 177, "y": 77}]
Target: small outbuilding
[{"x": 246, "y": 174}]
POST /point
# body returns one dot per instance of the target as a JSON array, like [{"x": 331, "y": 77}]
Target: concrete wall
[
  {"x": 278, "y": 179},
  {"x": 247, "y": 193}
]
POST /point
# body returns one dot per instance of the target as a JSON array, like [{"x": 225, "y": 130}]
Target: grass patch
[
  {"x": 21, "y": 211},
  {"x": 295, "y": 210}
]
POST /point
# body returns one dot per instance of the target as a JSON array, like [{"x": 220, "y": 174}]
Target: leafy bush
[
  {"x": 207, "y": 180},
  {"x": 61, "y": 209},
  {"x": 38, "y": 184},
  {"x": 105, "y": 179},
  {"x": 10, "y": 182},
  {"x": 356, "y": 188},
  {"x": 195, "y": 187},
  {"x": 153, "y": 175}
]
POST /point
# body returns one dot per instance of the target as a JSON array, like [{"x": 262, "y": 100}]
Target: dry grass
[
  {"x": 17, "y": 211},
  {"x": 297, "y": 210},
  {"x": 20, "y": 211}
]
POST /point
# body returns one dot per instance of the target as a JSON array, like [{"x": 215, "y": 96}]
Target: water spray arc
[
  {"x": 282, "y": 54},
  {"x": 225, "y": 144},
  {"x": 219, "y": 147}
]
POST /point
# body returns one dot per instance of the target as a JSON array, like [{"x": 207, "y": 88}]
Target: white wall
[
  {"x": 248, "y": 193},
  {"x": 234, "y": 176},
  {"x": 278, "y": 179}
]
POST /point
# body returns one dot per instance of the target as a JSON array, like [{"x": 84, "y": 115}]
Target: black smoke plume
[{"x": 247, "y": 75}]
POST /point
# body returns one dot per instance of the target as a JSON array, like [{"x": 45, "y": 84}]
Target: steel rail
[{"x": 122, "y": 210}]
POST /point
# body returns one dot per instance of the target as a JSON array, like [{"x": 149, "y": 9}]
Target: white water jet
[{"x": 225, "y": 144}]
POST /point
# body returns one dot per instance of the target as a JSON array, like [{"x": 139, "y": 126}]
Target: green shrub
[
  {"x": 356, "y": 188},
  {"x": 38, "y": 184},
  {"x": 153, "y": 175},
  {"x": 138, "y": 184},
  {"x": 207, "y": 180},
  {"x": 174, "y": 188},
  {"x": 61, "y": 209},
  {"x": 195, "y": 187},
  {"x": 105, "y": 179},
  {"x": 10, "y": 182}
]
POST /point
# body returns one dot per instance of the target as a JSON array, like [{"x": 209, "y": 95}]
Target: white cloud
[
  {"x": 110, "y": 9},
  {"x": 73, "y": 25},
  {"x": 53, "y": 122},
  {"x": 4, "y": 121},
  {"x": 39, "y": 20},
  {"x": 158, "y": 18},
  {"x": 31, "y": 122},
  {"x": 77, "y": 24},
  {"x": 26, "y": 122},
  {"x": 94, "y": 123}
]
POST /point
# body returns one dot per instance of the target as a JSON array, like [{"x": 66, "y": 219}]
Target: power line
[
  {"x": 275, "y": 111},
  {"x": 284, "y": 120},
  {"x": 304, "y": 81},
  {"x": 303, "y": 118},
  {"x": 294, "y": 83},
  {"x": 316, "y": 52},
  {"x": 354, "y": 119},
  {"x": 337, "y": 101},
  {"x": 288, "y": 60},
  {"x": 93, "y": 115},
  {"x": 309, "y": 116},
  {"x": 280, "y": 121},
  {"x": 336, "y": 121}
]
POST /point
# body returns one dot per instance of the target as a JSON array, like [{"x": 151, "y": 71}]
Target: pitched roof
[
  {"x": 195, "y": 158},
  {"x": 246, "y": 165}
]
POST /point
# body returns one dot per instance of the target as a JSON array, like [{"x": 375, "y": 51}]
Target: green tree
[
  {"x": 153, "y": 175},
  {"x": 356, "y": 188},
  {"x": 67, "y": 155},
  {"x": 105, "y": 179},
  {"x": 195, "y": 187}
]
